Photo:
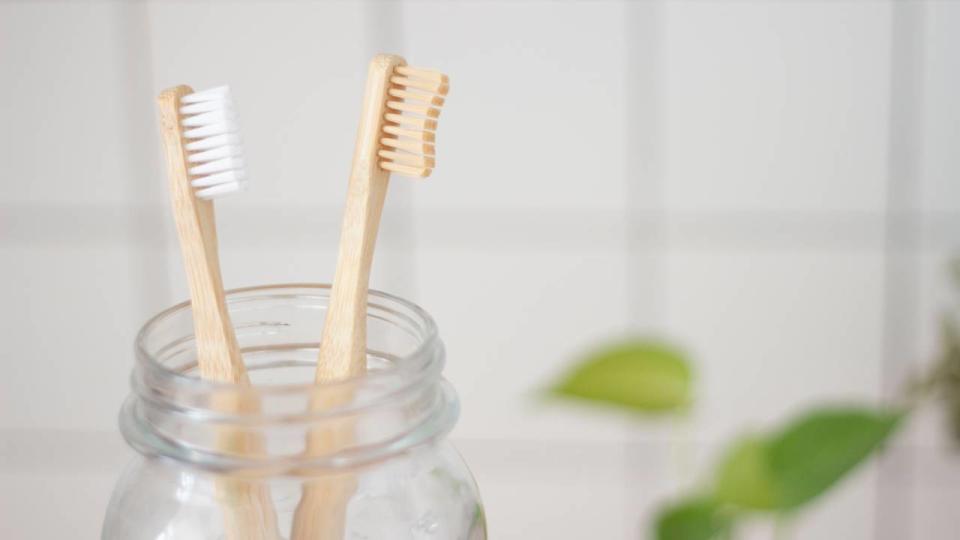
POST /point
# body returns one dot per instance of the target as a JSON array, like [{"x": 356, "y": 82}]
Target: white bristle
[
  {"x": 214, "y": 149},
  {"x": 225, "y": 177}
]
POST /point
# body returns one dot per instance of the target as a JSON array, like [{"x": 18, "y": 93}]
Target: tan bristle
[
  {"x": 404, "y": 158},
  {"x": 425, "y": 110},
  {"x": 421, "y": 84},
  {"x": 421, "y": 172},
  {"x": 419, "y": 73},
  {"x": 426, "y": 136},
  {"x": 432, "y": 99},
  {"x": 412, "y": 121},
  {"x": 410, "y": 146}
]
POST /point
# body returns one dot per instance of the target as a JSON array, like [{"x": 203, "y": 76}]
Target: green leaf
[
  {"x": 694, "y": 519},
  {"x": 794, "y": 466},
  {"x": 814, "y": 452},
  {"x": 641, "y": 376},
  {"x": 744, "y": 478}
]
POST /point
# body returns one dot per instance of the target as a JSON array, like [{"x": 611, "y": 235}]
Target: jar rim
[
  {"x": 171, "y": 411},
  {"x": 413, "y": 361}
]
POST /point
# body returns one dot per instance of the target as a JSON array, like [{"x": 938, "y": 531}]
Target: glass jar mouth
[
  {"x": 401, "y": 401},
  {"x": 377, "y": 301}
]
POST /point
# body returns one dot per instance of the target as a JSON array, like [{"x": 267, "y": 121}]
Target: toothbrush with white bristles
[
  {"x": 204, "y": 161},
  {"x": 215, "y": 146}
]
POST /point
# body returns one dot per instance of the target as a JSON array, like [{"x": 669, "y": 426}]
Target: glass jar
[{"x": 384, "y": 472}]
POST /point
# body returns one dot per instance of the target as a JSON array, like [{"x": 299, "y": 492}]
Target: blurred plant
[
  {"x": 778, "y": 473},
  {"x": 638, "y": 376},
  {"x": 774, "y": 473},
  {"x": 942, "y": 382}
]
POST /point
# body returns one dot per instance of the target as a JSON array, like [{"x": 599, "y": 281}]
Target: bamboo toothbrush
[
  {"x": 204, "y": 161},
  {"x": 396, "y": 134}
]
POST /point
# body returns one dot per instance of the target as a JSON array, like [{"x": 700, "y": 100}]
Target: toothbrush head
[
  {"x": 208, "y": 120},
  {"x": 415, "y": 97}
]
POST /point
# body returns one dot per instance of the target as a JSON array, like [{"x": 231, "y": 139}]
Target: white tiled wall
[
  {"x": 775, "y": 332},
  {"x": 776, "y": 107},
  {"x": 941, "y": 84},
  {"x": 773, "y": 184},
  {"x": 535, "y": 118}
]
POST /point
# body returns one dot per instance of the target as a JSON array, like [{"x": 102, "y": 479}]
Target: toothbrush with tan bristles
[
  {"x": 204, "y": 161},
  {"x": 396, "y": 134}
]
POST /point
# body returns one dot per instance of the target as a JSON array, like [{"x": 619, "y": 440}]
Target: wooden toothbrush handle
[
  {"x": 343, "y": 345},
  {"x": 321, "y": 514},
  {"x": 248, "y": 508}
]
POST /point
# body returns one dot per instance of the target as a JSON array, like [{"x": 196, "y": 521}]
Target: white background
[{"x": 772, "y": 184}]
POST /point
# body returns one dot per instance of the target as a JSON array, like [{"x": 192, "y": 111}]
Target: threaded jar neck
[{"x": 401, "y": 401}]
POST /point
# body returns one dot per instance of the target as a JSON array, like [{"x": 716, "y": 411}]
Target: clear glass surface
[{"x": 383, "y": 434}]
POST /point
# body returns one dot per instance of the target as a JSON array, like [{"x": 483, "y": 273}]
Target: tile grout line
[
  {"x": 894, "y": 516},
  {"x": 385, "y": 35},
  {"x": 643, "y": 28},
  {"x": 137, "y": 79},
  {"x": 643, "y": 176},
  {"x": 559, "y": 230}
]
